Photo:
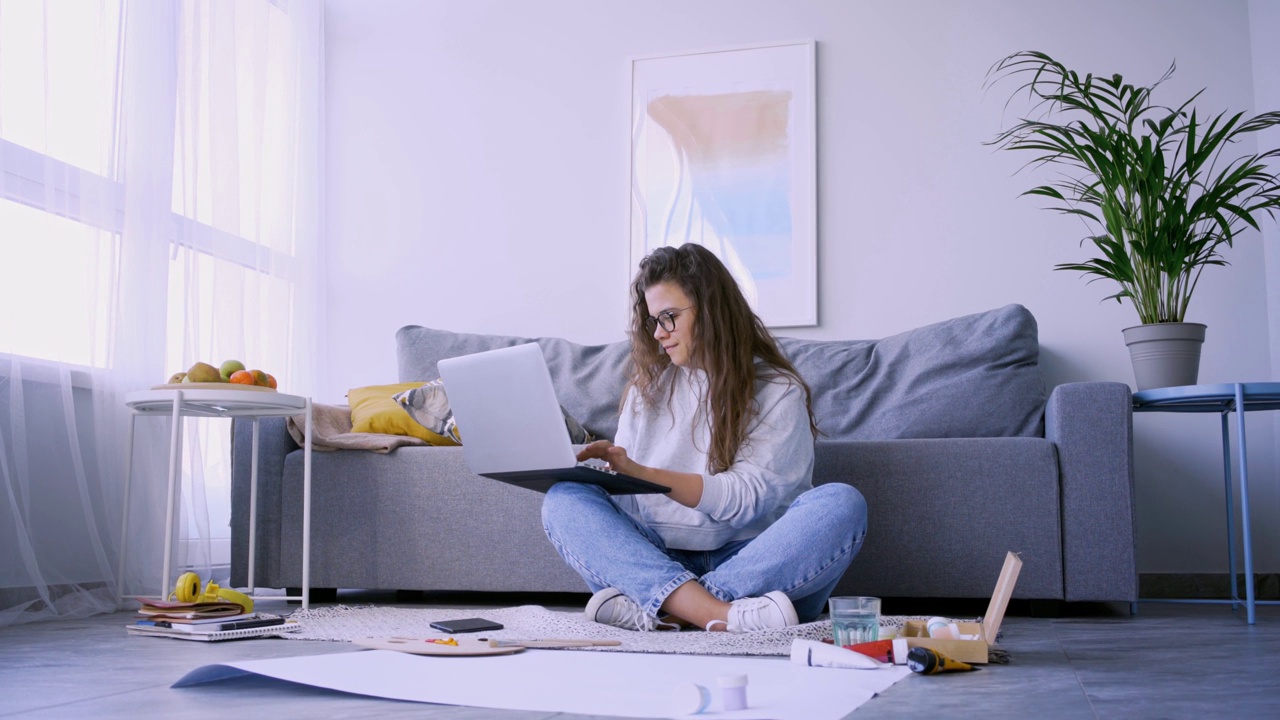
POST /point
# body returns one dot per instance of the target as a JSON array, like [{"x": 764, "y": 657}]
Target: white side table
[{"x": 221, "y": 402}]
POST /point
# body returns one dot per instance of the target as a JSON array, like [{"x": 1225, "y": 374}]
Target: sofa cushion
[
  {"x": 589, "y": 379},
  {"x": 972, "y": 376}
]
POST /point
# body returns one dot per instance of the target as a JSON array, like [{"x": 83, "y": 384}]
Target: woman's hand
[
  {"x": 613, "y": 454},
  {"x": 686, "y": 488}
]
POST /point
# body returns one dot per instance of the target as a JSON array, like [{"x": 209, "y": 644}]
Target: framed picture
[{"x": 723, "y": 154}]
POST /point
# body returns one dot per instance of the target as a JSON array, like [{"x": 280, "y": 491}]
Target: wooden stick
[{"x": 553, "y": 643}]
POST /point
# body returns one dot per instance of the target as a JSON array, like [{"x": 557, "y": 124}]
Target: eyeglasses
[{"x": 666, "y": 318}]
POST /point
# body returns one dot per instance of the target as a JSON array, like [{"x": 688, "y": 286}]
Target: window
[
  {"x": 62, "y": 199},
  {"x": 53, "y": 282},
  {"x": 217, "y": 258},
  {"x": 59, "y": 204}
]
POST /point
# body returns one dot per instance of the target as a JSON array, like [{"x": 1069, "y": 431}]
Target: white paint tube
[{"x": 820, "y": 654}]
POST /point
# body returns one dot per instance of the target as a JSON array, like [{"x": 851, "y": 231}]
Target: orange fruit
[
  {"x": 243, "y": 377},
  {"x": 271, "y": 381}
]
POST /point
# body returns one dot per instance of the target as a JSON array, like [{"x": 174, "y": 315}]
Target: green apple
[{"x": 229, "y": 367}]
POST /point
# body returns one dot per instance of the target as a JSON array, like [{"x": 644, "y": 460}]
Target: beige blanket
[{"x": 332, "y": 431}]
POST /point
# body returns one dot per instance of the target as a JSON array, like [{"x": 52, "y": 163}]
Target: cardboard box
[{"x": 970, "y": 651}]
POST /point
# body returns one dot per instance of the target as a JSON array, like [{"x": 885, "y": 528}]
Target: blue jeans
[{"x": 803, "y": 553}]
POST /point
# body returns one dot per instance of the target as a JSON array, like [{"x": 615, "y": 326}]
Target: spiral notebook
[{"x": 241, "y": 634}]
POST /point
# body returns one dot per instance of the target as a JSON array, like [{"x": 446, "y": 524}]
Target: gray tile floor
[{"x": 1170, "y": 661}]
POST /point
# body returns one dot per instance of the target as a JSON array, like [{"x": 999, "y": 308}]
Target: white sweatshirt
[{"x": 773, "y": 467}]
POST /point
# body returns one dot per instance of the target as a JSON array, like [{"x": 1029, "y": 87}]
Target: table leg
[
  {"x": 306, "y": 510},
  {"x": 253, "y": 501},
  {"x": 1231, "y": 520},
  {"x": 124, "y": 522},
  {"x": 1244, "y": 505},
  {"x": 175, "y": 435}
]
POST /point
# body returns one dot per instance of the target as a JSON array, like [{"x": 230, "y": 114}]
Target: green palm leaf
[{"x": 1161, "y": 208}]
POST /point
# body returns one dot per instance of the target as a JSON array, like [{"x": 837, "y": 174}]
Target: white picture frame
[{"x": 724, "y": 154}]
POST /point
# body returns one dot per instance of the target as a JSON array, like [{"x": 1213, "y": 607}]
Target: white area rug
[{"x": 533, "y": 622}]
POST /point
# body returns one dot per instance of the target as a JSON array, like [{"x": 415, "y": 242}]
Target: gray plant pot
[{"x": 1165, "y": 354}]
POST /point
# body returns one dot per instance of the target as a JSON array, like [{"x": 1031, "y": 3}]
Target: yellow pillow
[{"x": 374, "y": 410}]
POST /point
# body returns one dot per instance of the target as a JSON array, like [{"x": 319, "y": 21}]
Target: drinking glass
[{"x": 854, "y": 619}]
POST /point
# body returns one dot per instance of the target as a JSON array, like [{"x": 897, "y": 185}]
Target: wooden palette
[{"x": 422, "y": 646}]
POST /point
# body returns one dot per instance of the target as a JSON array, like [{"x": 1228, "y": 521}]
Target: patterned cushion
[{"x": 374, "y": 410}]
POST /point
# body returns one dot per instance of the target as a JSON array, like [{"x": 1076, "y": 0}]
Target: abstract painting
[{"x": 723, "y": 147}]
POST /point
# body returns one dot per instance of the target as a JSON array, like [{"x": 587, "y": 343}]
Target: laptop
[{"x": 512, "y": 426}]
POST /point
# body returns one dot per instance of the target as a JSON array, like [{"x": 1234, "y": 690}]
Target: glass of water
[{"x": 854, "y": 619}]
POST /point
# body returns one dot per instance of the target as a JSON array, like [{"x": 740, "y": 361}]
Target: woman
[{"x": 715, "y": 412}]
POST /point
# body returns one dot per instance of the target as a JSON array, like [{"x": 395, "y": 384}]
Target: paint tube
[{"x": 819, "y": 654}]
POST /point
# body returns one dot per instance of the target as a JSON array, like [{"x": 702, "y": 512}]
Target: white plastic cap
[
  {"x": 731, "y": 681},
  {"x": 691, "y": 698}
]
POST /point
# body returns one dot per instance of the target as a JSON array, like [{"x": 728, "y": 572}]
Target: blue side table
[{"x": 1223, "y": 399}]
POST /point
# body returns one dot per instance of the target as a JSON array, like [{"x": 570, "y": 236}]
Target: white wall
[
  {"x": 1264, "y": 26},
  {"x": 478, "y": 182}
]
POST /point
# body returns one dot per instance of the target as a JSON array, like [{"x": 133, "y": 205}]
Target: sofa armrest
[
  {"x": 274, "y": 444},
  {"x": 1091, "y": 425}
]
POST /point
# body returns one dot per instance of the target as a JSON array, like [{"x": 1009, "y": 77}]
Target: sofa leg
[{"x": 317, "y": 595}]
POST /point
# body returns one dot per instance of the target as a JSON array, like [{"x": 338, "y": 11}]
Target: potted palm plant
[{"x": 1158, "y": 187}]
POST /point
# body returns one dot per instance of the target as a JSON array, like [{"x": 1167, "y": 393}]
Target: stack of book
[{"x": 205, "y": 621}]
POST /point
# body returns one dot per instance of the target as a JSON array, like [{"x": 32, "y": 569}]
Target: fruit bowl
[
  {"x": 212, "y": 386},
  {"x": 231, "y": 375}
]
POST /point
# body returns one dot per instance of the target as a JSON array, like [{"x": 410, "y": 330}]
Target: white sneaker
[
  {"x": 769, "y": 612},
  {"x": 611, "y": 607}
]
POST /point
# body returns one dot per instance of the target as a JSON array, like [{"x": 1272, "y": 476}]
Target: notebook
[
  {"x": 241, "y": 634},
  {"x": 254, "y": 620},
  {"x": 512, "y": 427}
]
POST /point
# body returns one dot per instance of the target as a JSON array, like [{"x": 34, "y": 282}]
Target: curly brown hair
[{"x": 728, "y": 338}]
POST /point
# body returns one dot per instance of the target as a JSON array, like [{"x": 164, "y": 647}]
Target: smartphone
[{"x": 466, "y": 625}]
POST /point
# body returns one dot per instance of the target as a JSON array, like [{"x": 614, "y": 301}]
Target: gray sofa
[{"x": 945, "y": 429}]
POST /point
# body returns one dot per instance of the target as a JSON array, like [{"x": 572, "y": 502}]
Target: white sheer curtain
[{"x": 160, "y": 176}]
